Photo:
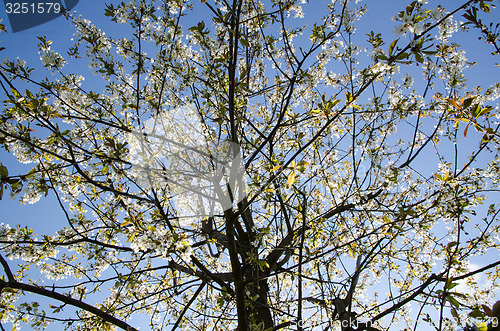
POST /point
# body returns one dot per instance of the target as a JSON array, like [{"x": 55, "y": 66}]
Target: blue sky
[{"x": 44, "y": 215}]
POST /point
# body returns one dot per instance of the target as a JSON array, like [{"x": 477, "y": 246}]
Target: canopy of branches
[{"x": 256, "y": 165}]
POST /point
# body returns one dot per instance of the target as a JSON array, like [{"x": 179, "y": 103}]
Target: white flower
[
  {"x": 380, "y": 67},
  {"x": 399, "y": 29},
  {"x": 408, "y": 80},
  {"x": 415, "y": 28},
  {"x": 52, "y": 60},
  {"x": 406, "y": 20},
  {"x": 436, "y": 14},
  {"x": 298, "y": 11}
]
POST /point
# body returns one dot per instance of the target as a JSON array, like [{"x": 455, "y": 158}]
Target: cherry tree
[{"x": 256, "y": 165}]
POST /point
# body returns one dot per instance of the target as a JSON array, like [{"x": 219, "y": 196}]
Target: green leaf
[
  {"x": 453, "y": 103},
  {"x": 392, "y": 46},
  {"x": 291, "y": 178},
  {"x": 475, "y": 111},
  {"x": 301, "y": 166},
  {"x": 451, "y": 285},
  {"x": 132, "y": 237},
  {"x": 4, "y": 173},
  {"x": 410, "y": 7},
  {"x": 348, "y": 96},
  {"x": 487, "y": 310},
  {"x": 453, "y": 301},
  {"x": 429, "y": 52},
  {"x": 16, "y": 187},
  {"x": 482, "y": 327},
  {"x": 125, "y": 223},
  {"x": 275, "y": 168},
  {"x": 467, "y": 102},
  {"x": 466, "y": 130},
  {"x": 402, "y": 56},
  {"x": 454, "y": 313},
  {"x": 485, "y": 111},
  {"x": 244, "y": 42},
  {"x": 476, "y": 313},
  {"x": 485, "y": 7},
  {"x": 419, "y": 58},
  {"x": 329, "y": 105}
]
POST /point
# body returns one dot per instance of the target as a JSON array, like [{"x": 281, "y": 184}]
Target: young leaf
[
  {"x": 453, "y": 301},
  {"x": 487, "y": 310},
  {"x": 291, "y": 178},
  {"x": 485, "y": 7},
  {"x": 392, "y": 46},
  {"x": 3, "y": 171},
  {"x": 467, "y": 102},
  {"x": 419, "y": 58},
  {"x": 453, "y": 103},
  {"x": 476, "y": 313},
  {"x": 244, "y": 42},
  {"x": 466, "y": 129},
  {"x": 402, "y": 56},
  {"x": 275, "y": 168},
  {"x": 455, "y": 314}
]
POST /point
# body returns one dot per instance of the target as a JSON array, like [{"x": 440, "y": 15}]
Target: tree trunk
[{"x": 259, "y": 312}]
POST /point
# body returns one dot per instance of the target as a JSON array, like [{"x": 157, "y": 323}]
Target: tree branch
[{"x": 13, "y": 284}]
